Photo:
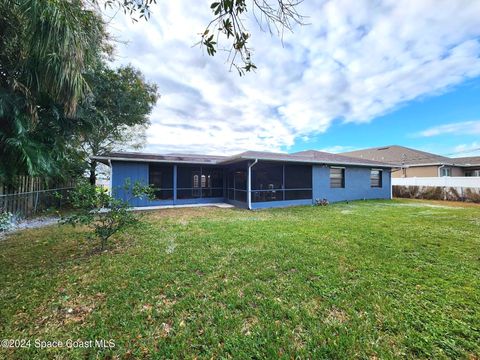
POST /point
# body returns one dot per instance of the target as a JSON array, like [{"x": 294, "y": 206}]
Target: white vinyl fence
[{"x": 444, "y": 181}]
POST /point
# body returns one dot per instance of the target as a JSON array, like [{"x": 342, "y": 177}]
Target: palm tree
[{"x": 45, "y": 49}]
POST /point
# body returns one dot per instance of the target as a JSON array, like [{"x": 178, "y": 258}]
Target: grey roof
[
  {"x": 323, "y": 156},
  {"x": 467, "y": 161},
  {"x": 400, "y": 155},
  {"x": 310, "y": 156},
  {"x": 181, "y": 158}
]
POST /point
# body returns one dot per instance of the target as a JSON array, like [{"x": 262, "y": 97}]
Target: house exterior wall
[
  {"x": 357, "y": 185},
  {"x": 456, "y": 171},
  {"x": 425, "y": 171},
  {"x": 121, "y": 171},
  {"x": 422, "y": 171}
]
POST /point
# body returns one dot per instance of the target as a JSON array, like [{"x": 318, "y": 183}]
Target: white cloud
[
  {"x": 459, "y": 128},
  {"x": 337, "y": 149},
  {"x": 471, "y": 149},
  {"x": 357, "y": 60}
]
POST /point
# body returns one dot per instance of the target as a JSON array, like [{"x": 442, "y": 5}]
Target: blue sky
[
  {"x": 403, "y": 126},
  {"x": 361, "y": 74}
]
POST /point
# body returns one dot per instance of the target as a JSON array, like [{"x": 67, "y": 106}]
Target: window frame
[
  {"x": 448, "y": 170},
  {"x": 343, "y": 177},
  {"x": 380, "y": 178}
]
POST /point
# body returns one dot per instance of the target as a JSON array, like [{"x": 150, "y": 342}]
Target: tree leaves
[{"x": 229, "y": 23}]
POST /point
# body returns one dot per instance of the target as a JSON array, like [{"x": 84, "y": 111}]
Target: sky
[{"x": 359, "y": 74}]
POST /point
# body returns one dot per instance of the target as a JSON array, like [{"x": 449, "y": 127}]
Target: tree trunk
[{"x": 93, "y": 172}]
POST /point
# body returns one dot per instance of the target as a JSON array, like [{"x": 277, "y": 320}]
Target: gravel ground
[{"x": 31, "y": 224}]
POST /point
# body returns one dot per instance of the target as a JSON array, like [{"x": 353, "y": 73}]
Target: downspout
[
  {"x": 110, "y": 190},
  {"x": 249, "y": 185}
]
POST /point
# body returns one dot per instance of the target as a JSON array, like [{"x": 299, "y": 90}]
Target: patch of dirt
[
  {"x": 335, "y": 316},
  {"x": 66, "y": 310},
  {"x": 298, "y": 338},
  {"x": 248, "y": 324},
  {"x": 182, "y": 215}
]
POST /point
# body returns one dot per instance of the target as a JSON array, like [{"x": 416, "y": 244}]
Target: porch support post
[
  {"x": 249, "y": 184},
  {"x": 174, "y": 184}
]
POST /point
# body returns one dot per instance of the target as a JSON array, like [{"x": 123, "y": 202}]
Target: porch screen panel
[
  {"x": 298, "y": 182},
  {"x": 211, "y": 182},
  {"x": 267, "y": 182},
  {"x": 160, "y": 177},
  {"x": 240, "y": 180},
  {"x": 199, "y": 182},
  {"x": 189, "y": 182},
  {"x": 237, "y": 184}
]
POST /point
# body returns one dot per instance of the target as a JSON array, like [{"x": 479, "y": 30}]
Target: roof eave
[
  {"x": 306, "y": 161},
  {"x": 107, "y": 159},
  {"x": 111, "y": 158}
]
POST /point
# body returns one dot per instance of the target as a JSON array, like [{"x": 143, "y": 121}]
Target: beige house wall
[
  {"x": 425, "y": 171},
  {"x": 422, "y": 171},
  {"x": 458, "y": 171}
]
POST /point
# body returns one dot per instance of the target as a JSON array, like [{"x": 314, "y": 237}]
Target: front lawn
[{"x": 374, "y": 279}]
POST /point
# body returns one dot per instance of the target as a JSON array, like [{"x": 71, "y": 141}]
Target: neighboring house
[
  {"x": 416, "y": 163},
  {"x": 471, "y": 165},
  {"x": 251, "y": 179}
]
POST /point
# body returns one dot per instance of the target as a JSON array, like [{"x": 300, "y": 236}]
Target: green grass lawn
[{"x": 374, "y": 279}]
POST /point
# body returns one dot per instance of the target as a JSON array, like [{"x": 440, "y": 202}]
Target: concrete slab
[{"x": 219, "y": 205}]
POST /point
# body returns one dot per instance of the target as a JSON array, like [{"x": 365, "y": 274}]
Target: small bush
[
  {"x": 6, "y": 220},
  {"x": 104, "y": 214},
  {"x": 321, "y": 202}
]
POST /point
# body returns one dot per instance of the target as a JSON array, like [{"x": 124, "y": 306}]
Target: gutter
[{"x": 249, "y": 185}]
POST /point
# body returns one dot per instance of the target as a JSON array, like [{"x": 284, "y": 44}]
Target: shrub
[
  {"x": 101, "y": 212},
  {"x": 321, "y": 202},
  {"x": 432, "y": 193},
  {"x": 472, "y": 195},
  {"x": 6, "y": 220},
  {"x": 437, "y": 193}
]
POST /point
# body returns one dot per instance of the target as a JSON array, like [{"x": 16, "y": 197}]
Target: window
[
  {"x": 445, "y": 171},
  {"x": 376, "y": 178},
  {"x": 160, "y": 177},
  {"x": 472, "y": 173},
  {"x": 337, "y": 177}
]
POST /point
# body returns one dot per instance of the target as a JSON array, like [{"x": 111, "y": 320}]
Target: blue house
[{"x": 251, "y": 180}]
